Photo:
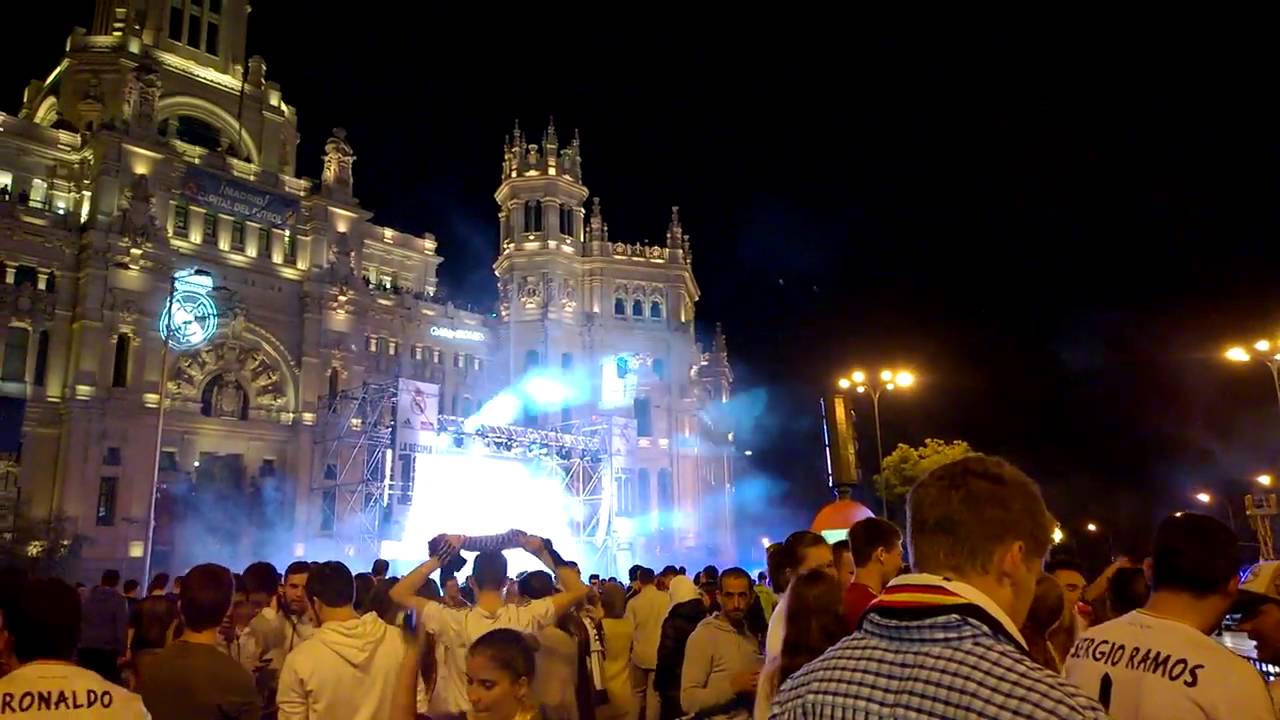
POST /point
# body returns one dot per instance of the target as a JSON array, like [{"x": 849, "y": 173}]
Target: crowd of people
[{"x": 978, "y": 626}]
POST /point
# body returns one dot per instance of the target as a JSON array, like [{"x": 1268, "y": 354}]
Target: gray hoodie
[
  {"x": 346, "y": 671},
  {"x": 715, "y": 653}
]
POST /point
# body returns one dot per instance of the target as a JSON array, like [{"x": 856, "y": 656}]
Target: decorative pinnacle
[{"x": 550, "y": 138}]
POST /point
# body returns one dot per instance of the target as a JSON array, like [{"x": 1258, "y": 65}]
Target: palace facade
[{"x": 156, "y": 149}]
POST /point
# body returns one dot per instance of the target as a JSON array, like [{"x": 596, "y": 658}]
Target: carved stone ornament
[
  {"x": 530, "y": 292},
  {"x": 237, "y": 371}
]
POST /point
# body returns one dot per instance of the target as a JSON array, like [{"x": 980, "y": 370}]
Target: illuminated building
[{"x": 156, "y": 147}]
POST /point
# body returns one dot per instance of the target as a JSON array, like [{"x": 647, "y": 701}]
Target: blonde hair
[{"x": 960, "y": 514}]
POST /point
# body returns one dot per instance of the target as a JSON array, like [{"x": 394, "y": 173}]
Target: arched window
[
  {"x": 666, "y": 493},
  {"x": 644, "y": 417},
  {"x": 533, "y": 216},
  {"x": 637, "y": 308},
  {"x": 620, "y": 306},
  {"x": 15, "y": 354},
  {"x": 466, "y": 406},
  {"x": 333, "y": 386},
  {"x": 660, "y": 368},
  {"x": 640, "y": 503},
  {"x": 531, "y": 359},
  {"x": 655, "y": 309},
  {"x": 42, "y": 358},
  {"x": 566, "y": 361},
  {"x": 120, "y": 370}
]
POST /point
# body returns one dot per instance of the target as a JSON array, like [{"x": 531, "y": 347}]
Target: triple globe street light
[
  {"x": 889, "y": 381},
  {"x": 1265, "y": 352}
]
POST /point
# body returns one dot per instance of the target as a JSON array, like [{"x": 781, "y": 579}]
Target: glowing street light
[
  {"x": 764, "y": 542},
  {"x": 890, "y": 380},
  {"x": 1238, "y": 354},
  {"x": 1091, "y": 527},
  {"x": 1264, "y": 480},
  {"x": 748, "y": 453},
  {"x": 1204, "y": 497},
  {"x": 1058, "y": 535}
]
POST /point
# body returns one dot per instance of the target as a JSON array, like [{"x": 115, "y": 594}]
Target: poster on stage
[{"x": 417, "y": 411}]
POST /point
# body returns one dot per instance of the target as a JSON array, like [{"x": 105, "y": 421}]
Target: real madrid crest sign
[{"x": 190, "y": 318}]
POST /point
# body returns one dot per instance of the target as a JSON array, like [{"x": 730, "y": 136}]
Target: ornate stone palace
[{"x": 156, "y": 148}]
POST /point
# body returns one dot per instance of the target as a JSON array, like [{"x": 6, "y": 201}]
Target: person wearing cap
[
  {"x": 1259, "y": 607},
  {"x": 1159, "y": 661}
]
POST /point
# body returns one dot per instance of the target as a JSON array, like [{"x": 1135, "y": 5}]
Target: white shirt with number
[
  {"x": 1142, "y": 666},
  {"x": 456, "y": 629},
  {"x": 49, "y": 690}
]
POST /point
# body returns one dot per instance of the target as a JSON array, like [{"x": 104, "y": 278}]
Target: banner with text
[
  {"x": 226, "y": 195},
  {"x": 417, "y": 410}
]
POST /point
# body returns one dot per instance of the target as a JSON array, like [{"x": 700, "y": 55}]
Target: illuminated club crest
[{"x": 190, "y": 318}]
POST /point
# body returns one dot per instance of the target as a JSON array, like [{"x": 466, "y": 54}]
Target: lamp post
[
  {"x": 178, "y": 324},
  {"x": 1265, "y": 355},
  {"x": 889, "y": 380}
]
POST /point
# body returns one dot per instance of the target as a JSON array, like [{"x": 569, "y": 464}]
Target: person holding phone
[{"x": 458, "y": 628}]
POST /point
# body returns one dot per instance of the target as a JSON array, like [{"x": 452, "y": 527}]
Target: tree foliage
[{"x": 906, "y": 465}]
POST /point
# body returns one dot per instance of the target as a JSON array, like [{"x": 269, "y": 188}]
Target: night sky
[{"x": 1058, "y": 233}]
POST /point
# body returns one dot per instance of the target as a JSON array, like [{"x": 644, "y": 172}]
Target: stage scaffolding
[{"x": 354, "y": 482}]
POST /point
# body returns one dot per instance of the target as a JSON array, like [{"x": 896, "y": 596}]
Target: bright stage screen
[{"x": 470, "y": 494}]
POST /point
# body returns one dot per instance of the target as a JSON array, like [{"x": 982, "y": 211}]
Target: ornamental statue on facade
[
  {"x": 141, "y": 96},
  {"x": 336, "y": 179},
  {"x": 138, "y": 223}
]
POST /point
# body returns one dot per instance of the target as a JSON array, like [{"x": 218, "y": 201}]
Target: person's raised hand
[{"x": 533, "y": 544}]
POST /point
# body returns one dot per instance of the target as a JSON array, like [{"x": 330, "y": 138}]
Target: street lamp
[
  {"x": 890, "y": 380},
  {"x": 1207, "y": 499},
  {"x": 1058, "y": 535},
  {"x": 1091, "y": 527},
  {"x": 1265, "y": 355},
  {"x": 1264, "y": 480}
]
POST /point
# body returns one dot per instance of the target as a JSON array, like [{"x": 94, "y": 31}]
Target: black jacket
[{"x": 676, "y": 629}]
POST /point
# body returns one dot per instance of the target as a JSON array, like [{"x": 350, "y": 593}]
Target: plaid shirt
[{"x": 930, "y": 648}]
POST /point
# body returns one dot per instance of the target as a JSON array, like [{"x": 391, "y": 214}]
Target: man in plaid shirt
[{"x": 944, "y": 642}]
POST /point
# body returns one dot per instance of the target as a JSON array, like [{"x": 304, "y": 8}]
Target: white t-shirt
[
  {"x": 1142, "y": 666},
  {"x": 777, "y": 629},
  {"x": 456, "y": 629},
  {"x": 53, "y": 690}
]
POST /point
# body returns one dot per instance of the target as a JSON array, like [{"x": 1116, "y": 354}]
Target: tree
[{"x": 903, "y": 467}]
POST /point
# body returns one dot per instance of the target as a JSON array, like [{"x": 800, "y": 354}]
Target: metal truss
[{"x": 353, "y": 443}]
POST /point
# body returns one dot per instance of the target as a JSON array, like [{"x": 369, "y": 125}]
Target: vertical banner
[{"x": 417, "y": 410}]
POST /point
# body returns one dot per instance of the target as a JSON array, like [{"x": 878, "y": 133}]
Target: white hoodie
[{"x": 346, "y": 671}]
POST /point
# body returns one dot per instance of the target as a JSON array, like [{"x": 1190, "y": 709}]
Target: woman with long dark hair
[{"x": 815, "y": 621}]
